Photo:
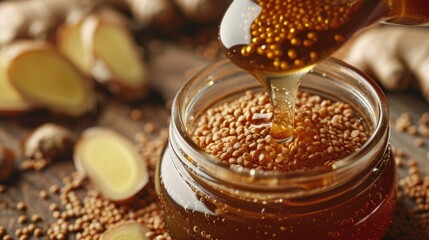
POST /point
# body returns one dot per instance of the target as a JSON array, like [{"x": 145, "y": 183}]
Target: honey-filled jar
[{"x": 281, "y": 195}]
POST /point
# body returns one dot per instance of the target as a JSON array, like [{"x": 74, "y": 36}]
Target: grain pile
[
  {"x": 411, "y": 215},
  {"x": 90, "y": 217},
  {"x": 325, "y": 131},
  {"x": 84, "y": 214}
]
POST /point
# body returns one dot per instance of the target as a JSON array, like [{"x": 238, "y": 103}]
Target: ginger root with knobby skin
[
  {"x": 168, "y": 13},
  {"x": 394, "y": 55},
  {"x": 46, "y": 78},
  {"x": 152, "y": 13},
  {"x": 47, "y": 142},
  {"x": 36, "y": 19},
  {"x": 203, "y": 10}
]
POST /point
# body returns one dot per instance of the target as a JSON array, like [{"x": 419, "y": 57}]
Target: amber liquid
[
  {"x": 193, "y": 211},
  {"x": 278, "y": 41}
]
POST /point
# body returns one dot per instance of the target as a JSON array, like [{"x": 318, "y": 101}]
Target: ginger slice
[
  {"x": 121, "y": 59},
  {"x": 117, "y": 62},
  {"x": 11, "y": 102},
  {"x": 102, "y": 46},
  {"x": 69, "y": 42},
  {"x": 128, "y": 230},
  {"x": 111, "y": 163},
  {"x": 46, "y": 78},
  {"x": 71, "y": 37}
]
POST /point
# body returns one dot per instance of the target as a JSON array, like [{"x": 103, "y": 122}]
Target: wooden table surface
[{"x": 169, "y": 65}]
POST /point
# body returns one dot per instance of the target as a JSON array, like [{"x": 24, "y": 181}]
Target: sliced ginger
[
  {"x": 10, "y": 100},
  {"x": 119, "y": 55},
  {"x": 111, "y": 162},
  {"x": 69, "y": 42},
  {"x": 117, "y": 61},
  {"x": 128, "y": 231},
  {"x": 46, "y": 78},
  {"x": 103, "y": 47}
]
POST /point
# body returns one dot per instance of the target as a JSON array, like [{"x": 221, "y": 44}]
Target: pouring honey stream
[{"x": 279, "y": 41}]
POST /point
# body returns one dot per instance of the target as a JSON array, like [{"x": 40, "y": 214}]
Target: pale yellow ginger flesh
[
  {"x": 111, "y": 163},
  {"x": 10, "y": 99},
  {"x": 70, "y": 44},
  {"x": 48, "y": 79},
  {"x": 103, "y": 47},
  {"x": 126, "y": 231},
  {"x": 117, "y": 50}
]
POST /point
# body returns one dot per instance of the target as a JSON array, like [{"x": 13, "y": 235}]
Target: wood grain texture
[{"x": 413, "y": 103}]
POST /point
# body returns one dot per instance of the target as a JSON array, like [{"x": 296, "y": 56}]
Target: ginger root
[
  {"x": 111, "y": 163},
  {"x": 46, "y": 78},
  {"x": 169, "y": 13},
  {"x": 203, "y": 10},
  {"x": 150, "y": 13},
  {"x": 36, "y": 19},
  {"x": 47, "y": 142},
  {"x": 395, "y": 56}
]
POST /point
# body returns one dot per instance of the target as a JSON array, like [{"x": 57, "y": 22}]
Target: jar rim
[{"x": 203, "y": 160}]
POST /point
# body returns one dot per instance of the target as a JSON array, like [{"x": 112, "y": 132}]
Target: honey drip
[
  {"x": 282, "y": 91},
  {"x": 278, "y": 41}
]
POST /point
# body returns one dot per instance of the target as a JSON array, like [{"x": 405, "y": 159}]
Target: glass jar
[{"x": 203, "y": 198}]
